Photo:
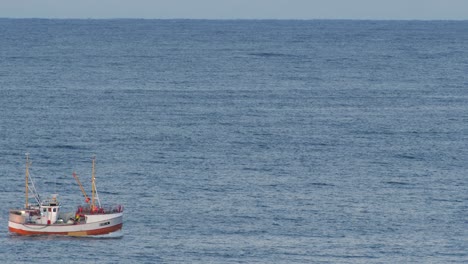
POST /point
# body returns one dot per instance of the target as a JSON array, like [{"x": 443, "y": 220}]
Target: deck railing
[{"x": 86, "y": 209}]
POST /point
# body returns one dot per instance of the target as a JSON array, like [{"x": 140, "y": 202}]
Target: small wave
[
  {"x": 321, "y": 184},
  {"x": 271, "y": 55},
  {"x": 267, "y": 54},
  {"x": 446, "y": 200},
  {"x": 405, "y": 156},
  {"x": 396, "y": 183},
  {"x": 109, "y": 192},
  {"x": 113, "y": 235},
  {"x": 68, "y": 147}
]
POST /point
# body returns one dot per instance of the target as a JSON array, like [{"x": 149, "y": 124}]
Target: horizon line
[{"x": 239, "y": 19}]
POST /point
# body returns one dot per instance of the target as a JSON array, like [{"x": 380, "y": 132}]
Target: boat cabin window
[
  {"x": 55, "y": 210},
  {"x": 50, "y": 209},
  {"x": 44, "y": 209}
]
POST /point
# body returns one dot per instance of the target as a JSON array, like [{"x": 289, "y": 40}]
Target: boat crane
[{"x": 81, "y": 187}]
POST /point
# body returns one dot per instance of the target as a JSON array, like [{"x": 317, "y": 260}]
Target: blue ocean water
[{"x": 241, "y": 141}]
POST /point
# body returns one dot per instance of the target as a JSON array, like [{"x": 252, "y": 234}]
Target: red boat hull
[{"x": 100, "y": 231}]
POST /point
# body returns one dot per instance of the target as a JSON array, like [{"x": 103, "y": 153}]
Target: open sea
[{"x": 241, "y": 141}]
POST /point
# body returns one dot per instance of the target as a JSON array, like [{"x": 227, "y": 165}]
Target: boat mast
[
  {"x": 26, "y": 203},
  {"x": 93, "y": 185}
]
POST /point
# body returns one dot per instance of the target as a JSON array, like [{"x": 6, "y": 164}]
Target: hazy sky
[{"x": 238, "y": 9}]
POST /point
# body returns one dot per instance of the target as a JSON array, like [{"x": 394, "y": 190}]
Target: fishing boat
[{"x": 46, "y": 218}]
